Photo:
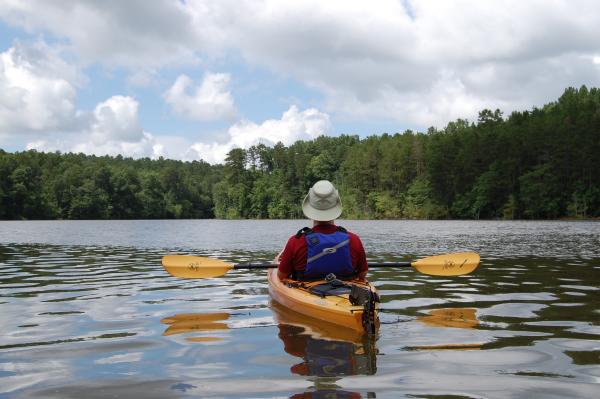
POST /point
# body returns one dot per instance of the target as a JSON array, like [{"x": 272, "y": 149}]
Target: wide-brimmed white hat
[{"x": 322, "y": 203}]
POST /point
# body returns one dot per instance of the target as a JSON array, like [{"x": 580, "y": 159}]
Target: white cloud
[
  {"x": 294, "y": 125},
  {"x": 116, "y": 119},
  {"x": 419, "y": 62},
  {"x": 146, "y": 146},
  {"x": 113, "y": 128},
  {"x": 37, "y": 102},
  {"x": 131, "y": 357},
  {"x": 359, "y": 54},
  {"x": 355, "y": 53},
  {"x": 447, "y": 99},
  {"x": 142, "y": 77},
  {"x": 37, "y": 90},
  {"x": 128, "y": 33},
  {"x": 212, "y": 153},
  {"x": 208, "y": 101}
]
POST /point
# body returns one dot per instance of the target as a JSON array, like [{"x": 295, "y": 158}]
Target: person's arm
[
  {"x": 277, "y": 258},
  {"x": 359, "y": 258},
  {"x": 362, "y": 276},
  {"x": 282, "y": 276},
  {"x": 285, "y": 260},
  {"x": 277, "y": 261}
]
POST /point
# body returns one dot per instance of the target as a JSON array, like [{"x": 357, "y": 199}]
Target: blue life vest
[{"x": 328, "y": 253}]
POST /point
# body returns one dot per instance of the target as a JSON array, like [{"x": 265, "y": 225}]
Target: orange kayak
[{"x": 353, "y": 306}]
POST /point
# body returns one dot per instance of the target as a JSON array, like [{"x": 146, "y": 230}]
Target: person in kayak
[{"x": 312, "y": 254}]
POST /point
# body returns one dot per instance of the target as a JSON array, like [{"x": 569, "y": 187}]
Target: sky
[{"x": 193, "y": 79}]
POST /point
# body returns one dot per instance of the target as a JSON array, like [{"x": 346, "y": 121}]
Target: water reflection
[
  {"x": 74, "y": 315},
  {"x": 326, "y": 350},
  {"x": 196, "y": 322},
  {"x": 450, "y": 317},
  {"x": 329, "y": 394}
]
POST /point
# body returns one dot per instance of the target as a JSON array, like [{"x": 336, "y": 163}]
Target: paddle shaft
[{"x": 272, "y": 265}]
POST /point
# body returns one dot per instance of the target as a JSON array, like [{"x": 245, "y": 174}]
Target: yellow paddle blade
[
  {"x": 194, "y": 266},
  {"x": 448, "y": 265}
]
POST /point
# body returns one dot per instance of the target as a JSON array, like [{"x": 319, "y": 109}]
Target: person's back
[{"x": 325, "y": 248}]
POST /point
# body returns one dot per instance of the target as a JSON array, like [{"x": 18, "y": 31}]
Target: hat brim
[{"x": 321, "y": 215}]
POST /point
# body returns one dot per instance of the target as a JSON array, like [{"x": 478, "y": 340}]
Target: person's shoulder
[
  {"x": 353, "y": 236},
  {"x": 299, "y": 234},
  {"x": 350, "y": 234}
]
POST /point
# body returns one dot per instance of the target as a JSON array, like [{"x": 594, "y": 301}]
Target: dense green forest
[{"x": 543, "y": 163}]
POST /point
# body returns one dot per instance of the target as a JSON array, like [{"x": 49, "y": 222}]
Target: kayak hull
[{"x": 333, "y": 309}]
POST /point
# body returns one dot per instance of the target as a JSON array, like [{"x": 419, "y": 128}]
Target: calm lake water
[{"x": 87, "y": 311}]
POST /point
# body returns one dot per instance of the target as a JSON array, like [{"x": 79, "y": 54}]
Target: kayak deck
[{"x": 335, "y": 309}]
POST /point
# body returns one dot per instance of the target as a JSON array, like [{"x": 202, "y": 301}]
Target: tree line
[
  {"x": 537, "y": 164},
  {"x": 36, "y": 185}
]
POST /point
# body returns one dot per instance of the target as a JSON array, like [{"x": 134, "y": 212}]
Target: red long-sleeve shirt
[{"x": 294, "y": 255}]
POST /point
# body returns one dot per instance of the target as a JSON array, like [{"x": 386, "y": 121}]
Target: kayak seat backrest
[{"x": 326, "y": 289}]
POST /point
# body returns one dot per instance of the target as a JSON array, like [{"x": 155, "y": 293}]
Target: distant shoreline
[{"x": 532, "y": 165}]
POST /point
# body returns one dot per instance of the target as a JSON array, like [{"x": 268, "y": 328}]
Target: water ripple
[{"x": 80, "y": 318}]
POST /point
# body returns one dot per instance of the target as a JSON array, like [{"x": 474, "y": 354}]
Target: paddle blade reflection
[
  {"x": 451, "y": 317},
  {"x": 464, "y": 318},
  {"x": 196, "y": 322}
]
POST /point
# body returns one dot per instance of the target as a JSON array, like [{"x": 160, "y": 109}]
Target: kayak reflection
[
  {"x": 327, "y": 394},
  {"x": 326, "y": 349},
  {"x": 196, "y": 322}
]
